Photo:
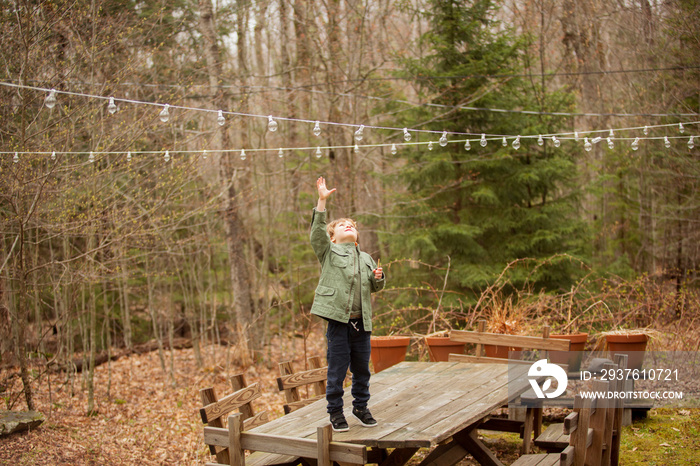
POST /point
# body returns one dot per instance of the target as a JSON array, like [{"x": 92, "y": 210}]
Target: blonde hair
[{"x": 331, "y": 226}]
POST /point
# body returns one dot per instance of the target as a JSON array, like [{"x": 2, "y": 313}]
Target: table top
[{"x": 416, "y": 404}]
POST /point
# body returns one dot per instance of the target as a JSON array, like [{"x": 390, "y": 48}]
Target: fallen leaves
[{"x": 143, "y": 418}]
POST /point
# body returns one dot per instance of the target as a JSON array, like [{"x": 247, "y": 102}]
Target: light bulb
[
  {"x": 271, "y": 124},
  {"x": 204, "y": 154},
  {"x": 556, "y": 141},
  {"x": 91, "y": 159},
  {"x": 111, "y": 106},
  {"x": 317, "y": 129},
  {"x": 667, "y": 143},
  {"x": 516, "y": 143},
  {"x": 540, "y": 141},
  {"x": 443, "y": 139},
  {"x": 611, "y": 134},
  {"x": 166, "y": 157},
  {"x": 646, "y": 130},
  {"x": 53, "y": 154},
  {"x": 430, "y": 145},
  {"x": 15, "y": 159},
  {"x": 576, "y": 136},
  {"x": 691, "y": 143},
  {"x": 681, "y": 129},
  {"x": 358, "y": 133},
  {"x": 611, "y": 144},
  {"x": 319, "y": 154},
  {"x": 356, "y": 149},
  {"x": 128, "y": 156},
  {"x": 280, "y": 154},
  {"x": 467, "y": 146},
  {"x": 482, "y": 142},
  {"x": 50, "y": 100},
  {"x": 596, "y": 140},
  {"x": 220, "y": 119},
  {"x": 504, "y": 142},
  {"x": 635, "y": 144},
  {"x": 406, "y": 135},
  {"x": 243, "y": 156},
  {"x": 165, "y": 114},
  {"x": 393, "y": 149},
  {"x": 587, "y": 145}
]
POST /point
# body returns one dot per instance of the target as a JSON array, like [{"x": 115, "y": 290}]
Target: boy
[{"x": 348, "y": 276}]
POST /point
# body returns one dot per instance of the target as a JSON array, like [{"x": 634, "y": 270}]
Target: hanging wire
[{"x": 484, "y": 137}]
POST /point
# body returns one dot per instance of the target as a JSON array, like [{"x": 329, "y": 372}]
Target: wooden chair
[
  {"x": 289, "y": 383},
  {"x": 555, "y": 439},
  {"x": 276, "y": 449},
  {"x": 533, "y": 414},
  {"x": 213, "y": 410},
  {"x": 591, "y": 431}
]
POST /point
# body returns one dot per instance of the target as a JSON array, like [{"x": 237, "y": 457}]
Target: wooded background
[{"x": 115, "y": 252}]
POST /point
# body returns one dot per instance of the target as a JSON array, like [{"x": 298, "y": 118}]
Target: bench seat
[
  {"x": 538, "y": 459},
  {"x": 553, "y": 439}
]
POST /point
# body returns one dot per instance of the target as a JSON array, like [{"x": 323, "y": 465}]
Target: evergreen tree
[{"x": 487, "y": 206}]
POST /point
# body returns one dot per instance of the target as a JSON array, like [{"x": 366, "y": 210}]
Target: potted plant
[
  {"x": 577, "y": 344},
  {"x": 388, "y": 350},
  {"x": 507, "y": 319},
  {"x": 440, "y": 346},
  {"x": 632, "y": 342}
]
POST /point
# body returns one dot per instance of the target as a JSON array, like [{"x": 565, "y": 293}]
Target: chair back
[
  {"x": 289, "y": 383},
  {"x": 594, "y": 425},
  {"x": 213, "y": 410}
]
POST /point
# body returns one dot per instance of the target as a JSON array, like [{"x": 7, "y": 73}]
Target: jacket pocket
[
  {"x": 339, "y": 259},
  {"x": 325, "y": 290}
]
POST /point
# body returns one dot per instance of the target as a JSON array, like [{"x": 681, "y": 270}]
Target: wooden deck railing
[{"x": 322, "y": 449}]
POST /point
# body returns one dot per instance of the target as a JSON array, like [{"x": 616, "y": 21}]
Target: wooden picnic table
[{"x": 435, "y": 405}]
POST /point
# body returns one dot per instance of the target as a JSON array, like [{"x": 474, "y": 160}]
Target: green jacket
[{"x": 334, "y": 292}]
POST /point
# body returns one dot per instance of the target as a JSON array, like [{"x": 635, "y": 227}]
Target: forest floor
[{"x": 146, "y": 417}]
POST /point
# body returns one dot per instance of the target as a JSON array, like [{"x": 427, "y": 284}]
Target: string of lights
[
  {"x": 319, "y": 150},
  {"x": 515, "y": 140}
]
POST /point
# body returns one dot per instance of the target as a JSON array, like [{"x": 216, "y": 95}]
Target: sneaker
[
  {"x": 338, "y": 422},
  {"x": 364, "y": 416}
]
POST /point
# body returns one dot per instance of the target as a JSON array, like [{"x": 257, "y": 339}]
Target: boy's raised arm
[{"x": 323, "y": 193}]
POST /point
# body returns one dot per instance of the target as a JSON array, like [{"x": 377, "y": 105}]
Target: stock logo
[{"x": 551, "y": 371}]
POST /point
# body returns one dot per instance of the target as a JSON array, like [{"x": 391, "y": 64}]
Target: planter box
[
  {"x": 572, "y": 357},
  {"x": 632, "y": 344},
  {"x": 440, "y": 348},
  {"x": 387, "y": 351}
]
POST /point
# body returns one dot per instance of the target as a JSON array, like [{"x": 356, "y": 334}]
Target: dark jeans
[{"x": 348, "y": 346}]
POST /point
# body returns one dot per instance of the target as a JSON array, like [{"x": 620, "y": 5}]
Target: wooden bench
[
  {"x": 275, "y": 449},
  {"x": 533, "y": 412},
  {"x": 555, "y": 438},
  {"x": 593, "y": 431},
  {"x": 289, "y": 382},
  {"x": 213, "y": 410}
]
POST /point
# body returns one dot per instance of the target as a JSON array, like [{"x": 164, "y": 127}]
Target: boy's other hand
[
  {"x": 323, "y": 191},
  {"x": 378, "y": 273}
]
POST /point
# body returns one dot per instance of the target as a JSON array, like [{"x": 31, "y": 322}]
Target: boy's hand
[
  {"x": 378, "y": 273},
  {"x": 323, "y": 191}
]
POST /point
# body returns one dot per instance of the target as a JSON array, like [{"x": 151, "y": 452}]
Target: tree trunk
[
  {"x": 236, "y": 237},
  {"x": 20, "y": 322}
]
